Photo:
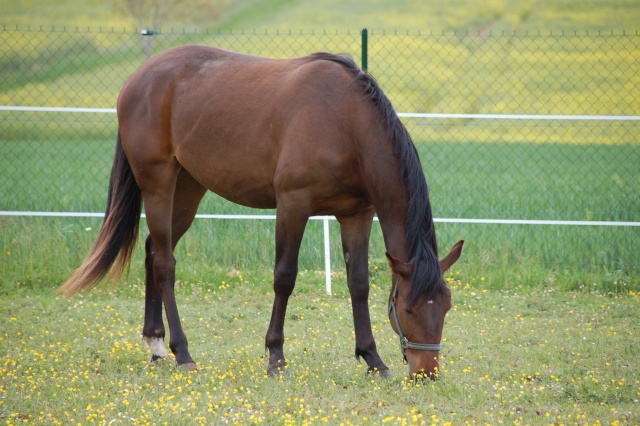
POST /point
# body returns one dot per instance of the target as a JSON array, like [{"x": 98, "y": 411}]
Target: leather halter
[{"x": 404, "y": 342}]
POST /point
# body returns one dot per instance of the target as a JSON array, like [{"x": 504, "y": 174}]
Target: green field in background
[
  {"x": 467, "y": 180},
  {"x": 443, "y": 73},
  {"x": 342, "y": 14},
  {"x": 495, "y": 181}
]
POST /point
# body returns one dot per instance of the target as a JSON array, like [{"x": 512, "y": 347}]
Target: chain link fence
[{"x": 508, "y": 125}]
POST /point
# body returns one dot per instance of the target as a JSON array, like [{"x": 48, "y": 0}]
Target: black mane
[{"x": 420, "y": 231}]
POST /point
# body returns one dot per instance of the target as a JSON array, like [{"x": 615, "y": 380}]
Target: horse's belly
[
  {"x": 238, "y": 184},
  {"x": 256, "y": 196}
]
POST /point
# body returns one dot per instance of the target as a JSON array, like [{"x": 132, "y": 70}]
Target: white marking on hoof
[{"x": 156, "y": 347}]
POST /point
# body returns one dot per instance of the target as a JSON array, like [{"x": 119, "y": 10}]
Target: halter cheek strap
[{"x": 404, "y": 342}]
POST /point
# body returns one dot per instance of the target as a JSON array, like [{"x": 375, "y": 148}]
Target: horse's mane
[{"x": 421, "y": 235}]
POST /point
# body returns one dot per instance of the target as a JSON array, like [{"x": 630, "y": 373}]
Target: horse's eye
[{"x": 409, "y": 311}]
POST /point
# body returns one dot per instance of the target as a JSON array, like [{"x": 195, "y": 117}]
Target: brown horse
[{"x": 306, "y": 136}]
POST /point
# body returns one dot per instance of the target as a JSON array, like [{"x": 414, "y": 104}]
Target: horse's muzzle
[
  {"x": 422, "y": 376},
  {"x": 423, "y": 365}
]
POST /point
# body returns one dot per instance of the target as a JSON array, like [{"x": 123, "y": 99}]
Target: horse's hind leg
[
  {"x": 187, "y": 197},
  {"x": 159, "y": 183},
  {"x": 355, "y": 231}
]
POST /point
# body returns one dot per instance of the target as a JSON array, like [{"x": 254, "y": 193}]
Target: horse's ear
[
  {"x": 451, "y": 257},
  {"x": 399, "y": 267}
]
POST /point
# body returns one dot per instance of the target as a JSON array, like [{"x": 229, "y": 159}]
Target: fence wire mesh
[{"x": 476, "y": 168}]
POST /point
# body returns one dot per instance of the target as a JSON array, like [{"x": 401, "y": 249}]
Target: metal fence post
[{"x": 365, "y": 49}]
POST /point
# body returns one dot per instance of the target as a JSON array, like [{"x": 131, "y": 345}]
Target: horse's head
[{"x": 420, "y": 324}]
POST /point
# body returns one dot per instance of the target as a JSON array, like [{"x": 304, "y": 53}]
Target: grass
[
  {"x": 39, "y": 251},
  {"x": 521, "y": 356}
]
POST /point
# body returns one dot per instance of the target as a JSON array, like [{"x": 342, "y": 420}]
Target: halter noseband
[{"x": 404, "y": 342}]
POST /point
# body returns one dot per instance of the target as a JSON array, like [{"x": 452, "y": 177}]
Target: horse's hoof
[
  {"x": 384, "y": 373},
  {"x": 155, "y": 359},
  {"x": 278, "y": 371},
  {"x": 160, "y": 360},
  {"x": 188, "y": 366}
]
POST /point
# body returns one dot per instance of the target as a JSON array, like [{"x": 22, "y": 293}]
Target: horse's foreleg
[
  {"x": 289, "y": 231},
  {"x": 355, "y": 231}
]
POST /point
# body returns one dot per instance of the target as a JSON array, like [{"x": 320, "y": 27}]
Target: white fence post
[{"x": 327, "y": 254}]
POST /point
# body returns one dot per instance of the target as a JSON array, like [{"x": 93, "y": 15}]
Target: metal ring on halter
[{"x": 404, "y": 342}]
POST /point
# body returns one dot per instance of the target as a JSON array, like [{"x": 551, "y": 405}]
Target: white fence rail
[{"x": 400, "y": 114}]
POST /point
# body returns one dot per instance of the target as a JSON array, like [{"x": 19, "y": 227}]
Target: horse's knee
[
  {"x": 359, "y": 285},
  {"x": 359, "y": 292},
  {"x": 284, "y": 279}
]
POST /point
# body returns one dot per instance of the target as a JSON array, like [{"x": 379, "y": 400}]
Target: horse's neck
[
  {"x": 392, "y": 207},
  {"x": 388, "y": 194},
  {"x": 392, "y": 214}
]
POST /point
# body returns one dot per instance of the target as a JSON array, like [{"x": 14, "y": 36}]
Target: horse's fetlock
[
  {"x": 151, "y": 332},
  {"x": 273, "y": 342}
]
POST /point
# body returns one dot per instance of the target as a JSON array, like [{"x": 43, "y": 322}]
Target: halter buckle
[{"x": 404, "y": 343}]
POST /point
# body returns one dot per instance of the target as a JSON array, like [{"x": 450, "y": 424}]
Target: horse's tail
[{"x": 116, "y": 241}]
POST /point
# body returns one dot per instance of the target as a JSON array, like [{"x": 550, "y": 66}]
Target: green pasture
[{"x": 518, "y": 356}]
